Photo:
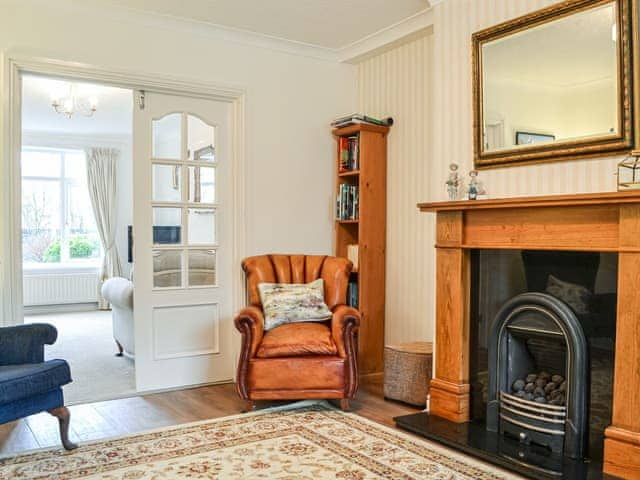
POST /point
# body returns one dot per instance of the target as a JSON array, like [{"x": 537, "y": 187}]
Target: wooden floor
[{"x": 95, "y": 421}]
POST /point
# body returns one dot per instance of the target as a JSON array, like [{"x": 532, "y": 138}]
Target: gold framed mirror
[{"x": 554, "y": 85}]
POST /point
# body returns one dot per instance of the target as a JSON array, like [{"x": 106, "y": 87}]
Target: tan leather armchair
[{"x": 314, "y": 360}]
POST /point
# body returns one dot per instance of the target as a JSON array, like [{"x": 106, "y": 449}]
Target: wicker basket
[{"x": 407, "y": 372}]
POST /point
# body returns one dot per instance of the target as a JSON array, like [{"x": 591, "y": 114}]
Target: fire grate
[{"x": 532, "y": 421}]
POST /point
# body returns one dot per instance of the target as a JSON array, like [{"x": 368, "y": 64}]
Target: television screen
[{"x": 130, "y": 244}]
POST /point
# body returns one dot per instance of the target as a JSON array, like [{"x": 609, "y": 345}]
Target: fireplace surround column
[
  {"x": 449, "y": 390},
  {"x": 622, "y": 438}
]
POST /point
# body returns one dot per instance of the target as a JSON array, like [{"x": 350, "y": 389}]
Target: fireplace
[
  {"x": 459, "y": 413},
  {"x": 539, "y": 374}
]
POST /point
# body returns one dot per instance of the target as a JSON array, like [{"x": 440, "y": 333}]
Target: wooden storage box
[{"x": 407, "y": 372}]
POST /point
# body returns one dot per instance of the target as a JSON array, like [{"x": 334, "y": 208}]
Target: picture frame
[{"x": 532, "y": 138}]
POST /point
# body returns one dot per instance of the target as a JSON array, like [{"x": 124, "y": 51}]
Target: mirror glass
[{"x": 554, "y": 82}]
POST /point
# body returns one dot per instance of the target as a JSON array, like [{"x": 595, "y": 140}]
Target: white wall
[{"x": 289, "y": 103}]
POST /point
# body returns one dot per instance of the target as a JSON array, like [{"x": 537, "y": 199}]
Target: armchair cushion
[
  {"x": 21, "y": 381},
  {"x": 297, "y": 339},
  {"x": 293, "y": 302}
]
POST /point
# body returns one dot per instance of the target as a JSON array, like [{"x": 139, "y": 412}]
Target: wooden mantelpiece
[{"x": 608, "y": 222}]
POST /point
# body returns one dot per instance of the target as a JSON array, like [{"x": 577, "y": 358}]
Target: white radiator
[{"x": 60, "y": 288}]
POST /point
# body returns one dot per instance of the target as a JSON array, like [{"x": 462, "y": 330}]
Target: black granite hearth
[{"x": 472, "y": 438}]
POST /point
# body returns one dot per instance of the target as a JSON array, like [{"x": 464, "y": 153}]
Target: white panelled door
[{"x": 182, "y": 231}]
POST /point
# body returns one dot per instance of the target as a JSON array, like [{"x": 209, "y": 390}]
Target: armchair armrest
[
  {"x": 25, "y": 343},
  {"x": 344, "y": 324},
  {"x": 250, "y": 323}
]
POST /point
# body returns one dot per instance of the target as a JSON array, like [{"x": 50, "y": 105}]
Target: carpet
[
  {"x": 311, "y": 442},
  {"x": 85, "y": 340}
]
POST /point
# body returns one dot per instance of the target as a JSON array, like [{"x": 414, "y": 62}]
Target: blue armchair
[{"x": 28, "y": 384}]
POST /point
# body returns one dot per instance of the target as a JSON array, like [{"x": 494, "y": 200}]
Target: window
[{"x": 58, "y": 226}]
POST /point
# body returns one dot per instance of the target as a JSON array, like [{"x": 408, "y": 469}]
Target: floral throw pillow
[
  {"x": 293, "y": 302},
  {"x": 576, "y": 296}
]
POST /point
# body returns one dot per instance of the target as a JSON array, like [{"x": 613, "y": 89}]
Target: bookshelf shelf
[
  {"x": 351, "y": 173},
  {"x": 361, "y": 193}
]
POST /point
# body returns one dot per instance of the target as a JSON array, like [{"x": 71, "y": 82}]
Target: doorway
[
  {"x": 64, "y": 124},
  {"x": 233, "y": 217}
]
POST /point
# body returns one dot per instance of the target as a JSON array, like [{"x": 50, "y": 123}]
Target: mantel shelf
[{"x": 584, "y": 199}]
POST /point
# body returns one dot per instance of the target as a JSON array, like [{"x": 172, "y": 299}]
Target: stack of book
[
  {"x": 349, "y": 157},
  {"x": 347, "y": 202},
  {"x": 352, "y": 294},
  {"x": 355, "y": 118}
]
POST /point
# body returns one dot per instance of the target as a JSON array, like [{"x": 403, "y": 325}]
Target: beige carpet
[
  {"x": 314, "y": 442},
  {"x": 85, "y": 340}
]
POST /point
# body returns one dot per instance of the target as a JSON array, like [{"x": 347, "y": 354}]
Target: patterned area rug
[{"x": 315, "y": 442}]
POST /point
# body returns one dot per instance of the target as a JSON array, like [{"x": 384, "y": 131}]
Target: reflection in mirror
[
  {"x": 202, "y": 181},
  {"x": 166, "y": 225},
  {"x": 553, "y": 82},
  {"x": 202, "y": 268},
  {"x": 202, "y": 226},
  {"x": 166, "y": 183},
  {"x": 200, "y": 140},
  {"x": 167, "y": 268},
  {"x": 167, "y": 136}
]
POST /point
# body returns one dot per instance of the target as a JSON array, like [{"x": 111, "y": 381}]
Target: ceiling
[
  {"x": 113, "y": 116},
  {"x": 326, "y": 23}
]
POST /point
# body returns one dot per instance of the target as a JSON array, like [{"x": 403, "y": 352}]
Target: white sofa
[{"x": 119, "y": 293}]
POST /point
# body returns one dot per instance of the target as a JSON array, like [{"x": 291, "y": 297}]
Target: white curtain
[{"x": 101, "y": 180}]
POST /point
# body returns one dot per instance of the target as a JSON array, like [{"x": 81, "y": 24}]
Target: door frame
[{"x": 13, "y": 67}]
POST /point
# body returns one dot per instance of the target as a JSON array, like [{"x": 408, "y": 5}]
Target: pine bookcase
[{"x": 368, "y": 231}]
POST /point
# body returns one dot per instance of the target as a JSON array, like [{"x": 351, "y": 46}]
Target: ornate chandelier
[{"x": 71, "y": 103}]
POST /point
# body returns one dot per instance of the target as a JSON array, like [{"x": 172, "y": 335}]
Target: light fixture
[{"x": 71, "y": 103}]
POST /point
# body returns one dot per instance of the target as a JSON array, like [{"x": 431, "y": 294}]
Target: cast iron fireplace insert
[{"x": 536, "y": 332}]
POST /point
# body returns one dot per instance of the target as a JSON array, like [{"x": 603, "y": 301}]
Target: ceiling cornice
[
  {"x": 404, "y": 30},
  {"x": 390, "y": 37}
]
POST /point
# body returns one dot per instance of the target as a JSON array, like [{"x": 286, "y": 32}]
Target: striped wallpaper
[
  {"x": 395, "y": 84},
  {"x": 426, "y": 86}
]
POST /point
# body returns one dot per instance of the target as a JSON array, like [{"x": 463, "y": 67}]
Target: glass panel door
[{"x": 183, "y": 271}]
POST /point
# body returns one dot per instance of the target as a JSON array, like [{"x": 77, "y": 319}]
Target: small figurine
[
  {"x": 472, "y": 193},
  {"x": 453, "y": 182}
]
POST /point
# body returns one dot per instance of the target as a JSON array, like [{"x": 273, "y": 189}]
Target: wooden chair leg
[
  {"x": 344, "y": 404},
  {"x": 64, "y": 417},
  {"x": 120, "y": 349},
  {"x": 249, "y": 406}
]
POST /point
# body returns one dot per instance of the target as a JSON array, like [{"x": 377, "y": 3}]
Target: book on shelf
[
  {"x": 352, "y": 255},
  {"x": 349, "y": 153},
  {"x": 352, "y": 294},
  {"x": 347, "y": 202}
]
